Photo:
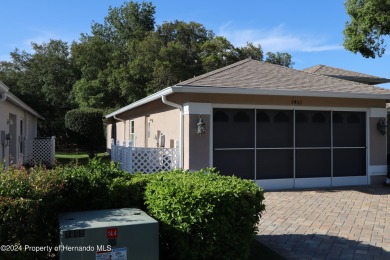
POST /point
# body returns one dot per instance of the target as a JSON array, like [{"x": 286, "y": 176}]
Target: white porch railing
[
  {"x": 40, "y": 151},
  {"x": 145, "y": 160}
]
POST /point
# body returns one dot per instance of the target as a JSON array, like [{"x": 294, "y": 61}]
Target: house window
[{"x": 132, "y": 135}]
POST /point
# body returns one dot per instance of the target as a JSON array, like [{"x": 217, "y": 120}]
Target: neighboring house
[
  {"x": 18, "y": 123},
  {"x": 281, "y": 127}
]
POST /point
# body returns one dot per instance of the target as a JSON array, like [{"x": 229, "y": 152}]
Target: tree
[
  {"x": 45, "y": 79},
  {"x": 370, "y": 22},
  {"x": 87, "y": 124},
  {"x": 217, "y": 53},
  {"x": 251, "y": 51},
  {"x": 105, "y": 57},
  {"x": 283, "y": 59}
]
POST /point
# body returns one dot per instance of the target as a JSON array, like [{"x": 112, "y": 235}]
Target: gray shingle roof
[
  {"x": 253, "y": 74},
  {"x": 346, "y": 74}
]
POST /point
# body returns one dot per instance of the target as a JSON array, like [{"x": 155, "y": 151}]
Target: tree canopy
[
  {"x": 122, "y": 59},
  {"x": 369, "y": 24}
]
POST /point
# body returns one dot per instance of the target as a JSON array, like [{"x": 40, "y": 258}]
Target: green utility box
[{"x": 108, "y": 234}]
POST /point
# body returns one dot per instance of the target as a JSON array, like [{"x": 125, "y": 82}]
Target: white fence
[
  {"x": 40, "y": 151},
  {"x": 145, "y": 160}
]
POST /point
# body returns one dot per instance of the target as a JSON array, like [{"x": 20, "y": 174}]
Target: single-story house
[
  {"x": 18, "y": 123},
  {"x": 281, "y": 127}
]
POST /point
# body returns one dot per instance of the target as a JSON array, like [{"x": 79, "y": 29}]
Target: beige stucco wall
[
  {"x": 196, "y": 147},
  {"x": 29, "y": 126},
  {"x": 161, "y": 119},
  {"x": 276, "y": 100},
  {"x": 378, "y": 147}
]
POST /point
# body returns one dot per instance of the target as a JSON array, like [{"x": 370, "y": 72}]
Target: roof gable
[{"x": 253, "y": 74}]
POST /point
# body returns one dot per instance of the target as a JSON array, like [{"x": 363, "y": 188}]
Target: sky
[{"x": 311, "y": 31}]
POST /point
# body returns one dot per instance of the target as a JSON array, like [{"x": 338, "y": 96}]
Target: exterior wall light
[
  {"x": 381, "y": 126},
  {"x": 8, "y": 138},
  {"x": 201, "y": 126}
]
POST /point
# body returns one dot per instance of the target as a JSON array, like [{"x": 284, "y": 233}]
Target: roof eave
[
  {"x": 276, "y": 92},
  {"x": 3, "y": 87},
  {"x": 14, "y": 99},
  {"x": 365, "y": 80},
  {"x": 141, "y": 102},
  {"x": 243, "y": 91}
]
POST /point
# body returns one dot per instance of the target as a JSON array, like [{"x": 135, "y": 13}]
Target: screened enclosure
[{"x": 289, "y": 144}]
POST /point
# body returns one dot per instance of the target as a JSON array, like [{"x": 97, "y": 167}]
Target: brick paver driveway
[{"x": 340, "y": 223}]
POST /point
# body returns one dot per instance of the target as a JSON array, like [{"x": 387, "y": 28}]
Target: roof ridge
[
  {"x": 211, "y": 73},
  {"x": 320, "y": 66}
]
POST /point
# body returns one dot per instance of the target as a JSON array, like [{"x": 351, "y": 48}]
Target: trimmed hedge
[
  {"x": 87, "y": 127},
  {"x": 202, "y": 215}
]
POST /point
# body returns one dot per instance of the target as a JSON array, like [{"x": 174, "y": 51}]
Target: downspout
[
  {"x": 181, "y": 145},
  {"x": 3, "y": 96},
  {"x": 124, "y": 128}
]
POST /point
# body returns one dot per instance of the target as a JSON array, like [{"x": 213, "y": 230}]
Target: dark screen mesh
[
  {"x": 349, "y": 129},
  {"x": 275, "y": 164},
  {"x": 238, "y": 162},
  {"x": 312, "y": 129},
  {"x": 349, "y": 162},
  {"x": 234, "y": 128},
  {"x": 312, "y": 163},
  {"x": 274, "y": 129}
]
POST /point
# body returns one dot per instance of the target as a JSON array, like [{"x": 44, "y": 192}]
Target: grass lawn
[{"x": 78, "y": 158}]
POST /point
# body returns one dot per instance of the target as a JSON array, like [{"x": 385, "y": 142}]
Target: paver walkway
[{"x": 340, "y": 223}]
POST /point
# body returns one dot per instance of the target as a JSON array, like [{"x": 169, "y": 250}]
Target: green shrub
[
  {"x": 29, "y": 205},
  {"x": 30, "y": 202},
  {"x": 204, "y": 215},
  {"x": 87, "y": 125},
  {"x": 87, "y": 187},
  {"x": 129, "y": 190}
]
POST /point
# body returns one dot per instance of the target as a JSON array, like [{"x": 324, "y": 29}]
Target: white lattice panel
[
  {"x": 145, "y": 160},
  {"x": 148, "y": 160},
  {"x": 42, "y": 151}
]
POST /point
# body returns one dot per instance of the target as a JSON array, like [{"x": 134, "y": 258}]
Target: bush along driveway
[{"x": 342, "y": 223}]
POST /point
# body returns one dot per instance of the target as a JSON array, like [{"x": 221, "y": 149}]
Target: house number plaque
[{"x": 296, "y": 102}]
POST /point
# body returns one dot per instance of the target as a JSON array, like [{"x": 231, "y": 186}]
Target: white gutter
[
  {"x": 181, "y": 127},
  {"x": 124, "y": 128},
  {"x": 140, "y": 102}
]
